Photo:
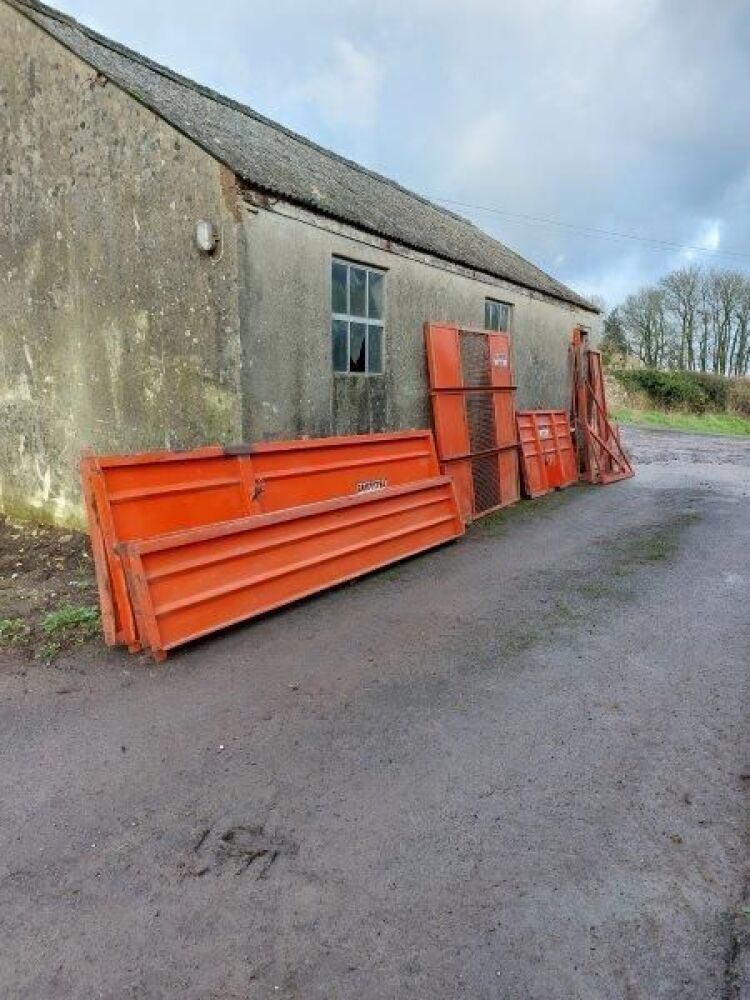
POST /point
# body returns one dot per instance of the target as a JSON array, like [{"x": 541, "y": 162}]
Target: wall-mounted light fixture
[{"x": 206, "y": 236}]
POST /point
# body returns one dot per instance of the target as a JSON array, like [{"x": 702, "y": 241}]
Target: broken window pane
[{"x": 357, "y": 337}]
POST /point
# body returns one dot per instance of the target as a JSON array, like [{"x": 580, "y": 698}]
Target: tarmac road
[{"x": 510, "y": 769}]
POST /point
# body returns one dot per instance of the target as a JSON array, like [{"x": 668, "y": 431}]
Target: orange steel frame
[
  {"x": 601, "y": 456},
  {"x": 138, "y": 497},
  {"x": 187, "y": 584},
  {"x": 130, "y": 496},
  {"x": 548, "y": 457},
  {"x": 455, "y": 388}
]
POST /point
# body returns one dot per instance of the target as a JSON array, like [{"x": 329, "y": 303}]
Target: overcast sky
[{"x": 630, "y": 116}]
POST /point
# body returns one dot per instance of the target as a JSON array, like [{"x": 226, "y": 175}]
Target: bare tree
[
  {"x": 645, "y": 322},
  {"x": 693, "y": 319},
  {"x": 725, "y": 291},
  {"x": 681, "y": 296}
]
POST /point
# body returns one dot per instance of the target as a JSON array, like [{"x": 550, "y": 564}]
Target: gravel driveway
[{"x": 510, "y": 769}]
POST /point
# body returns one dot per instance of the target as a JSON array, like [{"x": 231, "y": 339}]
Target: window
[
  {"x": 357, "y": 309},
  {"x": 496, "y": 315}
]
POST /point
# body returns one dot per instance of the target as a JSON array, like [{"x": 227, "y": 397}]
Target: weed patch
[
  {"x": 11, "y": 629},
  {"x": 69, "y": 626},
  {"x": 84, "y": 620}
]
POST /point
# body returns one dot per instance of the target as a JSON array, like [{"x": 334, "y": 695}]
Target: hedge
[{"x": 673, "y": 390}]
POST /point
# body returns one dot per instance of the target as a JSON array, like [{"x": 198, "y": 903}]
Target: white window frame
[
  {"x": 498, "y": 302},
  {"x": 349, "y": 318}
]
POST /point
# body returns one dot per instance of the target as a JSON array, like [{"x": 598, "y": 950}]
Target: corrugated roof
[{"x": 278, "y": 161}]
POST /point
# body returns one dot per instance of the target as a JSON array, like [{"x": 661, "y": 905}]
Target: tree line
[{"x": 691, "y": 320}]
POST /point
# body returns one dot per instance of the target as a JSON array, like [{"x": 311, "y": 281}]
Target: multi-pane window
[
  {"x": 357, "y": 310},
  {"x": 496, "y": 315}
]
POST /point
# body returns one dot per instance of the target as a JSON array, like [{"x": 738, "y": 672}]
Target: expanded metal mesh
[
  {"x": 475, "y": 358},
  {"x": 480, "y": 418},
  {"x": 486, "y": 484}
]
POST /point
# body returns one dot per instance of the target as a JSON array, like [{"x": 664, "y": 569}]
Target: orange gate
[
  {"x": 548, "y": 456},
  {"x": 145, "y": 496},
  {"x": 601, "y": 455},
  {"x": 473, "y": 408}
]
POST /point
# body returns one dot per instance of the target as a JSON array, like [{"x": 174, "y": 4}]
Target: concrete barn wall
[
  {"x": 289, "y": 387},
  {"x": 116, "y": 333}
]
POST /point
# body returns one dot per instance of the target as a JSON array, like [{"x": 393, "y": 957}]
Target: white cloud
[
  {"x": 709, "y": 236},
  {"x": 345, "y": 92}
]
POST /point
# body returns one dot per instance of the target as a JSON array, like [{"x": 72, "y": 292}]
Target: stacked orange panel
[{"x": 259, "y": 524}]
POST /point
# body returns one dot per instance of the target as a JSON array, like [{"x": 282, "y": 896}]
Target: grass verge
[{"x": 700, "y": 423}]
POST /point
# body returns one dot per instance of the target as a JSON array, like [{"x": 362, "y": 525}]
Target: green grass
[
  {"x": 701, "y": 423},
  {"x": 67, "y": 627},
  {"x": 10, "y": 629},
  {"x": 83, "y": 621}
]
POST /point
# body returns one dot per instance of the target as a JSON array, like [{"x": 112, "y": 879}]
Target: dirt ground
[
  {"x": 515, "y": 768},
  {"x": 48, "y": 600}
]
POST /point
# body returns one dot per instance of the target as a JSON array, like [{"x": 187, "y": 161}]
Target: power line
[{"x": 648, "y": 241}]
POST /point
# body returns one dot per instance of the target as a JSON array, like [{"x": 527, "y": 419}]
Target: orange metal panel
[
  {"x": 562, "y": 471},
  {"x": 443, "y": 356},
  {"x": 535, "y": 481},
  {"x": 146, "y": 495},
  {"x": 473, "y": 407},
  {"x": 548, "y": 455},
  {"x": 460, "y": 471},
  {"x": 505, "y": 419},
  {"x": 501, "y": 373},
  {"x": 460, "y": 358},
  {"x": 140, "y": 496},
  {"x": 191, "y": 583},
  {"x": 451, "y": 431},
  {"x": 510, "y": 480},
  {"x": 290, "y": 473}
]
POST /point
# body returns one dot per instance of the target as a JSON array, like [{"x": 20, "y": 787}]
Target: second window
[{"x": 496, "y": 315}]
